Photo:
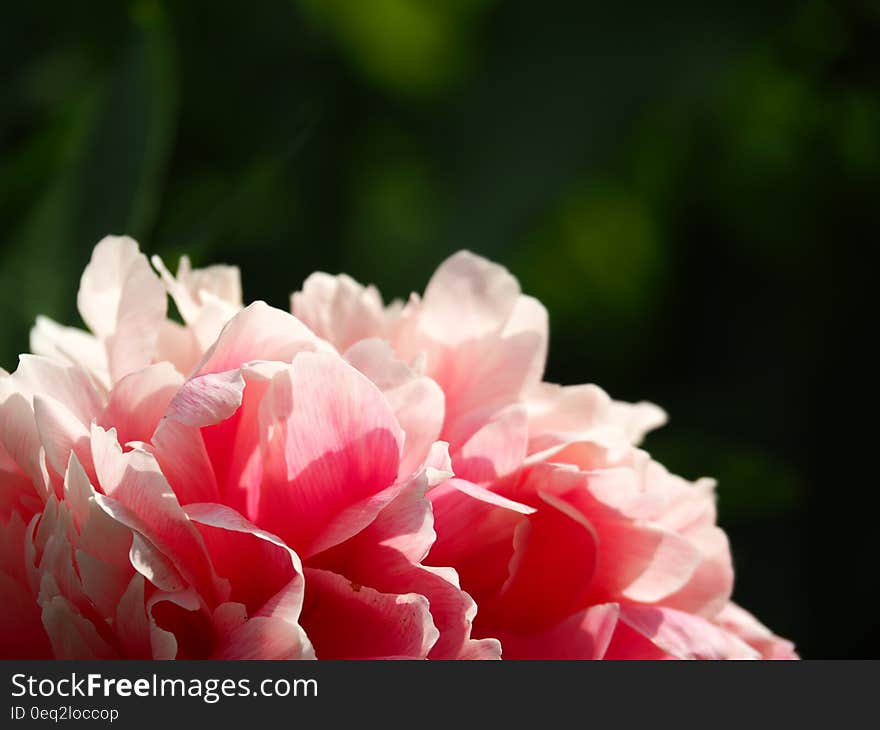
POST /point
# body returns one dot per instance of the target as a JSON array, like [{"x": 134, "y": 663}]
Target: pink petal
[
  {"x": 180, "y": 626},
  {"x": 123, "y": 302},
  {"x": 480, "y": 650},
  {"x": 181, "y": 454},
  {"x": 743, "y": 625},
  {"x": 228, "y": 617},
  {"x": 475, "y": 530},
  {"x": 331, "y": 445},
  {"x": 467, "y": 298},
  {"x": 681, "y": 635},
  {"x": 481, "y": 377},
  {"x": 99, "y": 550},
  {"x": 497, "y": 449},
  {"x": 17, "y": 493},
  {"x": 557, "y": 413},
  {"x": 178, "y": 345},
  {"x": 221, "y": 460},
  {"x": 583, "y": 635},
  {"x": 482, "y": 494},
  {"x": 66, "y": 384},
  {"x": 386, "y": 555},
  {"x": 529, "y": 324},
  {"x": 190, "y": 285},
  {"x": 233, "y": 445},
  {"x": 257, "y": 564},
  {"x": 484, "y": 343},
  {"x": 417, "y": 401},
  {"x": 405, "y": 525},
  {"x": 258, "y": 332},
  {"x": 711, "y": 584},
  {"x": 99, "y": 534},
  {"x": 102, "y": 582},
  {"x": 345, "y": 620},
  {"x": 265, "y": 638},
  {"x": 70, "y": 345},
  {"x": 541, "y": 588},
  {"x": 134, "y": 480},
  {"x": 339, "y": 309},
  {"x": 453, "y": 611},
  {"x": 55, "y": 569},
  {"x": 139, "y": 401},
  {"x": 61, "y": 434},
  {"x": 637, "y": 419},
  {"x": 20, "y": 442},
  {"x": 131, "y": 622},
  {"x": 638, "y": 560},
  {"x": 642, "y": 562},
  {"x": 273, "y": 633},
  {"x": 145, "y": 557},
  {"x": 208, "y": 399},
  {"x": 71, "y": 635},
  {"x": 629, "y": 644}
]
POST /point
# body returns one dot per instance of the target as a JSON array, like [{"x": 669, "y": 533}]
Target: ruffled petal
[
  {"x": 339, "y": 310},
  {"x": 583, "y": 635},
  {"x": 139, "y": 496},
  {"x": 672, "y": 634},
  {"x": 123, "y": 302},
  {"x": 417, "y": 401},
  {"x": 742, "y": 624},
  {"x": 139, "y": 401},
  {"x": 345, "y": 620},
  {"x": 258, "y": 332},
  {"x": 331, "y": 446}
]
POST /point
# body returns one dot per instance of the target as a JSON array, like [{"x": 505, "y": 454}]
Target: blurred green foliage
[
  {"x": 412, "y": 47},
  {"x": 691, "y": 190}
]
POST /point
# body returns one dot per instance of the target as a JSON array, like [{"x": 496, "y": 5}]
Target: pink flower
[
  {"x": 230, "y": 487},
  {"x": 573, "y": 542},
  {"x": 342, "y": 483}
]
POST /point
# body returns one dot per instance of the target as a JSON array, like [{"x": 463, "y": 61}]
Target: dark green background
[{"x": 692, "y": 191}]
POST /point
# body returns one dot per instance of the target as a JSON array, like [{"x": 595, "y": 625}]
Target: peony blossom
[{"x": 347, "y": 480}]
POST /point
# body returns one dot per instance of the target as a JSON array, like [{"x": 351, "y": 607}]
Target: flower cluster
[{"x": 345, "y": 480}]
